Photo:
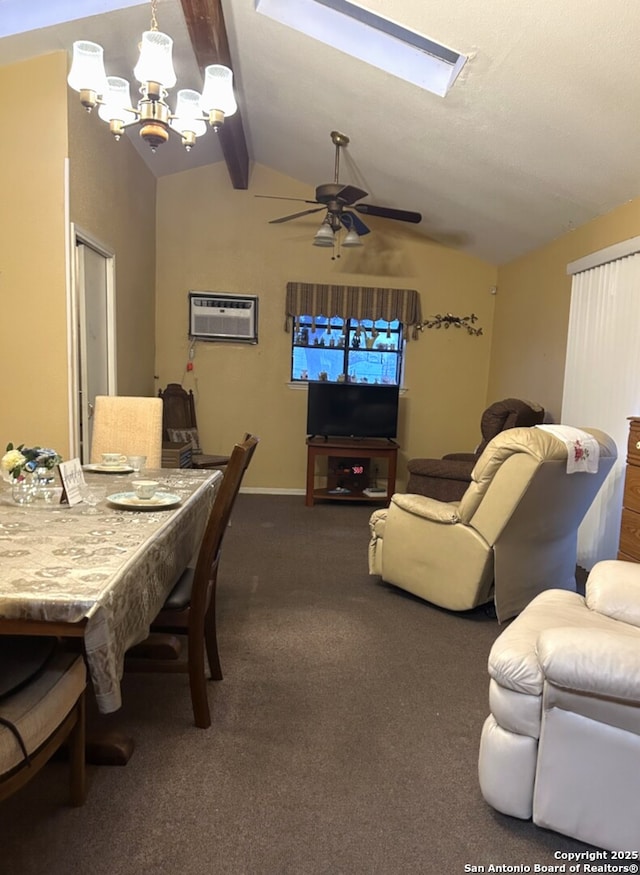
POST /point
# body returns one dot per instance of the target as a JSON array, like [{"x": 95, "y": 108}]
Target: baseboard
[{"x": 268, "y": 490}]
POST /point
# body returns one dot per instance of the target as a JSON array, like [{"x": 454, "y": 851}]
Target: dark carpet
[{"x": 344, "y": 739}]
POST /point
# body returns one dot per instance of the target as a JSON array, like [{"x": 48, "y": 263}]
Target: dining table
[{"x": 100, "y": 573}]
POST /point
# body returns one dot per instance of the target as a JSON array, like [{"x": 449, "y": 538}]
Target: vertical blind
[{"x": 602, "y": 384}]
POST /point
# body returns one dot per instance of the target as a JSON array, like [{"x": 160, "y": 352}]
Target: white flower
[{"x": 12, "y": 459}]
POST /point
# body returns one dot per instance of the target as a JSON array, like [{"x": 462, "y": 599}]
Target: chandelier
[{"x": 154, "y": 71}]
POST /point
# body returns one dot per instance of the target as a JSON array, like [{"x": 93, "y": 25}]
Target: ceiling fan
[{"x": 336, "y": 198}]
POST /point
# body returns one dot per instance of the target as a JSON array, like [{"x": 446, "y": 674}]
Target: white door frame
[{"x": 75, "y": 315}]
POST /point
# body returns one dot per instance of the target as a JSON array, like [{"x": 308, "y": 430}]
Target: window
[
  {"x": 372, "y": 38},
  {"x": 352, "y": 350}
]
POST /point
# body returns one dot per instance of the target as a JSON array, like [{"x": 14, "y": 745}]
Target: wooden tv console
[{"x": 349, "y": 464}]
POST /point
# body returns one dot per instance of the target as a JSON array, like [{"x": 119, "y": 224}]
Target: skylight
[
  {"x": 375, "y": 40},
  {"x": 16, "y": 16}
]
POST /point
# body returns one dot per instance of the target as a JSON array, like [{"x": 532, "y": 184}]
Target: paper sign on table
[{"x": 72, "y": 477}]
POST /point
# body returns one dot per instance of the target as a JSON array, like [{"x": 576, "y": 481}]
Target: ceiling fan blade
[
  {"x": 350, "y": 220},
  {"x": 281, "y": 198},
  {"x": 349, "y": 194},
  {"x": 389, "y": 213},
  {"x": 295, "y": 215}
]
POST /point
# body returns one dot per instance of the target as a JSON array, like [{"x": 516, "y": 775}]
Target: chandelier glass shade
[
  {"x": 156, "y": 75},
  {"x": 117, "y": 102},
  {"x": 155, "y": 63}
]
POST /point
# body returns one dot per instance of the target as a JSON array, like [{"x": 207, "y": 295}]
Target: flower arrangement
[{"x": 19, "y": 461}]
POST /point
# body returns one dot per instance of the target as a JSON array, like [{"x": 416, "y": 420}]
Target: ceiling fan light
[
  {"x": 155, "y": 63},
  {"x": 324, "y": 236},
  {"x": 352, "y": 238},
  {"x": 217, "y": 94},
  {"x": 87, "y": 71}
]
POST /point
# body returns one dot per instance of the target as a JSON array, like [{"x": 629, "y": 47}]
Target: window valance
[{"x": 354, "y": 302}]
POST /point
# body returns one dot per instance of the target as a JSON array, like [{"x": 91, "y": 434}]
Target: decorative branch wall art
[{"x": 448, "y": 320}]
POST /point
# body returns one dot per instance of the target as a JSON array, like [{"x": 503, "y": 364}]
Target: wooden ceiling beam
[{"x": 208, "y": 34}]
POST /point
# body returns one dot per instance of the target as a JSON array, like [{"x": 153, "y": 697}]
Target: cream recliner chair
[
  {"x": 562, "y": 742},
  {"x": 512, "y": 535}
]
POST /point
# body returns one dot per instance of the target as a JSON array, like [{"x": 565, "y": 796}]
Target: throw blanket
[{"x": 583, "y": 450}]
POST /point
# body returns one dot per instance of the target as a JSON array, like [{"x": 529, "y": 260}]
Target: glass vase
[
  {"x": 44, "y": 484},
  {"x": 22, "y": 490}
]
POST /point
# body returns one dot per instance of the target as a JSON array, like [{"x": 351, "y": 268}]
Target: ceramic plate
[
  {"x": 109, "y": 469},
  {"x": 130, "y": 501}
]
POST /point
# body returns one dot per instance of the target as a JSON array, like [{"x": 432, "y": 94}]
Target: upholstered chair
[
  {"x": 561, "y": 745},
  {"x": 512, "y": 535},
  {"x": 447, "y": 479},
  {"x": 42, "y": 707},
  {"x": 129, "y": 425}
]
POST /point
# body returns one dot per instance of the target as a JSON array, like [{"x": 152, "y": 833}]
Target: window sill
[{"x": 300, "y": 384}]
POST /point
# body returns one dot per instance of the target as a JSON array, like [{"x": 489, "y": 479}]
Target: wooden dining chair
[
  {"x": 42, "y": 706},
  {"x": 129, "y": 425},
  {"x": 179, "y": 425},
  {"x": 190, "y": 608}
]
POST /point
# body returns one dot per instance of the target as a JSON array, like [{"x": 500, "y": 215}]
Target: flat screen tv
[{"x": 358, "y": 410}]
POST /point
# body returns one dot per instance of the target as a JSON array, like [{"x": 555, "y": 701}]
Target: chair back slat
[
  {"x": 219, "y": 519},
  {"x": 179, "y": 409}
]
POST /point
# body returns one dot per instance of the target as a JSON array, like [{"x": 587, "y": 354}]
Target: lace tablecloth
[{"x": 113, "y": 567}]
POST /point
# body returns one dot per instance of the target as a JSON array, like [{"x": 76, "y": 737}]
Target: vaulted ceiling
[{"x": 538, "y": 135}]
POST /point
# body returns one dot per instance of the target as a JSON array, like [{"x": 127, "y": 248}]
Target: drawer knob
[{"x": 637, "y": 445}]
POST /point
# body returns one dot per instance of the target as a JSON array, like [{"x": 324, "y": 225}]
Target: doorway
[{"x": 94, "y": 352}]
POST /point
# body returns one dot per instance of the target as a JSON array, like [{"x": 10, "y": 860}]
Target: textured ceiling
[{"x": 539, "y": 134}]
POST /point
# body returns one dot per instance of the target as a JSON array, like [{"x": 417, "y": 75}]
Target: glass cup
[
  {"x": 93, "y": 495},
  {"x": 137, "y": 463}
]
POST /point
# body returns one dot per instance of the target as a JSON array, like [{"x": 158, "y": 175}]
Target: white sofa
[{"x": 562, "y": 742}]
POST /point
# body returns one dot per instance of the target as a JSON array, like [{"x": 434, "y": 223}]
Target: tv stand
[{"x": 359, "y": 452}]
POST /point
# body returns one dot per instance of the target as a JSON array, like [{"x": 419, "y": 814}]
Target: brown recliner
[{"x": 447, "y": 479}]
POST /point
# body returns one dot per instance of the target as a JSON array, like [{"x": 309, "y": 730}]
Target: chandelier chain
[{"x": 154, "y": 9}]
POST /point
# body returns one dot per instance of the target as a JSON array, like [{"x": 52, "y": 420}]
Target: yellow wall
[
  {"x": 211, "y": 237},
  {"x": 532, "y": 310},
  {"x": 33, "y": 338},
  {"x": 112, "y": 195},
  {"x": 202, "y": 234}
]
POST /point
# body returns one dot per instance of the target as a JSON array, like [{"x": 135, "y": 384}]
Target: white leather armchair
[
  {"x": 562, "y": 742},
  {"x": 512, "y": 535}
]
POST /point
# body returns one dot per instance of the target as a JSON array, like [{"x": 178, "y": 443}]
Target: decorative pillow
[{"x": 184, "y": 435}]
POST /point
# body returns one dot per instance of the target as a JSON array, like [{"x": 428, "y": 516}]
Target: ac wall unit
[{"x": 222, "y": 316}]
